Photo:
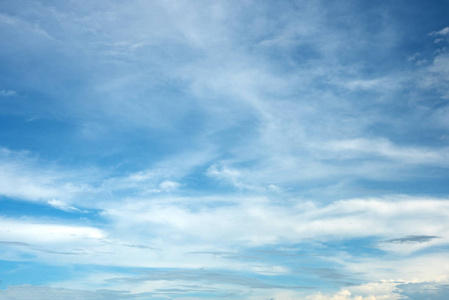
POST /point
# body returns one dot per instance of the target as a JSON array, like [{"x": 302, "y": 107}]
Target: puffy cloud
[{"x": 383, "y": 290}]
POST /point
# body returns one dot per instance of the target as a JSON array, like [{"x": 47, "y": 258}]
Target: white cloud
[
  {"x": 46, "y": 233},
  {"x": 8, "y": 93},
  {"x": 7, "y": 19},
  {"x": 388, "y": 290},
  {"x": 297, "y": 133},
  {"x": 258, "y": 221},
  {"x": 62, "y": 205},
  {"x": 174, "y": 227},
  {"x": 33, "y": 28},
  {"x": 384, "y": 290},
  {"x": 380, "y": 85},
  {"x": 228, "y": 175},
  {"x": 25, "y": 177},
  {"x": 168, "y": 185},
  {"x": 226, "y": 81},
  {"x": 164, "y": 176},
  {"x": 444, "y": 31},
  {"x": 440, "y": 66},
  {"x": 385, "y": 148},
  {"x": 435, "y": 76}
]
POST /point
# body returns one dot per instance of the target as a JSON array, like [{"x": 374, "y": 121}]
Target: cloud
[
  {"x": 165, "y": 175},
  {"x": 25, "y": 177},
  {"x": 62, "y": 205},
  {"x": 228, "y": 175},
  {"x": 172, "y": 228},
  {"x": 413, "y": 239},
  {"x": 208, "y": 277},
  {"x": 46, "y": 240},
  {"x": 33, "y": 28},
  {"x": 168, "y": 185},
  {"x": 227, "y": 80},
  {"x": 425, "y": 290},
  {"x": 8, "y": 93},
  {"x": 46, "y": 232},
  {"x": 385, "y": 148},
  {"x": 380, "y": 85},
  {"x": 384, "y": 290},
  {"x": 203, "y": 127},
  {"x": 28, "y": 292},
  {"x": 35, "y": 248},
  {"x": 435, "y": 75},
  {"x": 444, "y": 31},
  {"x": 259, "y": 221}
]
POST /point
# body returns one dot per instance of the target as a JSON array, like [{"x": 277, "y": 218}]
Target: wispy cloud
[
  {"x": 43, "y": 292},
  {"x": 413, "y": 239},
  {"x": 385, "y": 148},
  {"x": 258, "y": 221},
  {"x": 444, "y": 31},
  {"x": 233, "y": 149},
  {"x": 23, "y": 176},
  {"x": 8, "y": 93},
  {"x": 209, "y": 277}
]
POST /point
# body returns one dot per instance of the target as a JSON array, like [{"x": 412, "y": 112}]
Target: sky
[{"x": 272, "y": 150}]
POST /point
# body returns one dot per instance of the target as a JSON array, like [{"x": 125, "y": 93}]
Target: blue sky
[{"x": 224, "y": 149}]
